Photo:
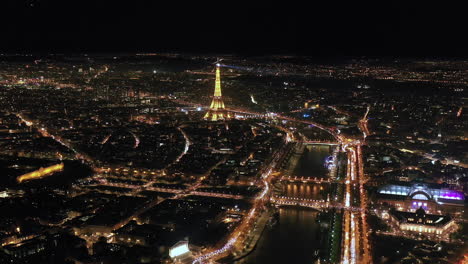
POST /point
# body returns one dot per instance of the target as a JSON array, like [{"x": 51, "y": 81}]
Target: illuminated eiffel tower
[{"x": 217, "y": 110}]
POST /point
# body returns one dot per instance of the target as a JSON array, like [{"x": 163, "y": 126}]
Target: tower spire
[
  {"x": 217, "y": 110},
  {"x": 218, "y": 82}
]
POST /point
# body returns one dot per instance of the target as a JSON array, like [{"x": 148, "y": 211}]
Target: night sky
[{"x": 331, "y": 29}]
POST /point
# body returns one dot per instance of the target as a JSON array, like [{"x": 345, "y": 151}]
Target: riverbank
[{"x": 252, "y": 240}]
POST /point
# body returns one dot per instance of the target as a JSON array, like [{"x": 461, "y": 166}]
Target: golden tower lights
[{"x": 217, "y": 110}]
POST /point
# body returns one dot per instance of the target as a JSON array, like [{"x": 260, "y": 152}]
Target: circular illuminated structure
[{"x": 420, "y": 195}]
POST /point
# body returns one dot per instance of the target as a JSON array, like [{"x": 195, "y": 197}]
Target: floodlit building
[
  {"x": 180, "y": 253},
  {"x": 412, "y": 196},
  {"x": 434, "y": 227}
]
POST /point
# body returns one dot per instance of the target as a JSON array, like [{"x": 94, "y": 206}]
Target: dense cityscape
[{"x": 179, "y": 158}]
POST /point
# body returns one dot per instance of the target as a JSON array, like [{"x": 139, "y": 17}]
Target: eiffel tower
[{"x": 217, "y": 111}]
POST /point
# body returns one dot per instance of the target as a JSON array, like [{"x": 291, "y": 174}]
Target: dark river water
[
  {"x": 295, "y": 238},
  {"x": 311, "y": 163},
  {"x": 306, "y": 190}
]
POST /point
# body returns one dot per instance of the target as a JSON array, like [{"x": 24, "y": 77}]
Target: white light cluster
[{"x": 179, "y": 250}]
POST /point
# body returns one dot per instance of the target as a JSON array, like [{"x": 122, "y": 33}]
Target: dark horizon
[{"x": 36, "y": 26}]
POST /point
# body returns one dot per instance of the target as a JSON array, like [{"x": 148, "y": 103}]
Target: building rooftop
[{"x": 420, "y": 217}]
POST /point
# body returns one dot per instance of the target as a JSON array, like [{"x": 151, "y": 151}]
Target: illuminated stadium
[{"x": 415, "y": 195}]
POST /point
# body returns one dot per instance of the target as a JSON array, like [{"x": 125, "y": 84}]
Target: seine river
[
  {"x": 295, "y": 238},
  {"x": 311, "y": 163},
  {"x": 292, "y": 240}
]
